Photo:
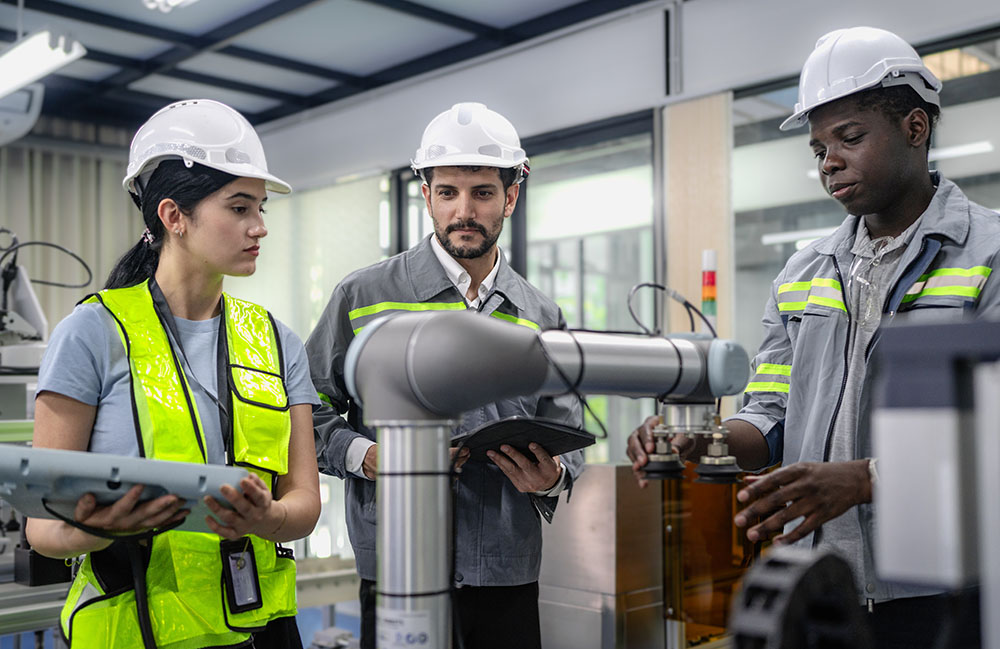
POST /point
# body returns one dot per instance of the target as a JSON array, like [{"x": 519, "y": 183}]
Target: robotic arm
[{"x": 416, "y": 373}]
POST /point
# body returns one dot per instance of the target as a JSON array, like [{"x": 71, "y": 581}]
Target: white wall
[{"x": 610, "y": 66}]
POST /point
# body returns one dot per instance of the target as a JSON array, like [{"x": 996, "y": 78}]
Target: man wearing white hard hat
[
  {"x": 472, "y": 164},
  {"x": 912, "y": 248}
]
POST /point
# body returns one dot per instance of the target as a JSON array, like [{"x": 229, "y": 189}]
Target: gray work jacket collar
[
  {"x": 947, "y": 215},
  {"x": 428, "y": 277}
]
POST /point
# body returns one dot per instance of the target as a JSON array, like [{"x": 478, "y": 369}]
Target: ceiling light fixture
[
  {"x": 34, "y": 57},
  {"x": 166, "y": 5}
]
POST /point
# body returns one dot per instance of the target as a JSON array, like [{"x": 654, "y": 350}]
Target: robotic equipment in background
[
  {"x": 935, "y": 426},
  {"x": 23, "y": 325},
  {"x": 936, "y": 434},
  {"x": 796, "y": 598},
  {"x": 396, "y": 369}
]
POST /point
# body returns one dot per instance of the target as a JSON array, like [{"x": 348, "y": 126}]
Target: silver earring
[{"x": 179, "y": 233}]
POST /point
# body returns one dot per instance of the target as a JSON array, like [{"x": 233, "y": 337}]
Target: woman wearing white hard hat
[{"x": 162, "y": 364}]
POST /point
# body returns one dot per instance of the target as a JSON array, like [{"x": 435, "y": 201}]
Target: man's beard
[{"x": 489, "y": 240}]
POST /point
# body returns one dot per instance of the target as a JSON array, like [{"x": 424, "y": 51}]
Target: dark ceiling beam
[
  {"x": 114, "y": 96},
  {"x": 441, "y": 17},
  {"x": 209, "y": 41},
  {"x": 128, "y": 117},
  {"x": 196, "y": 77},
  {"x": 486, "y": 39},
  {"x": 231, "y": 84},
  {"x": 109, "y": 58},
  {"x": 294, "y": 66},
  {"x": 565, "y": 17},
  {"x": 475, "y": 47},
  {"x": 101, "y": 19},
  {"x": 180, "y": 39}
]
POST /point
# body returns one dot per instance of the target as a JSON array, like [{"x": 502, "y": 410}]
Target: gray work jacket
[
  {"x": 498, "y": 536},
  {"x": 801, "y": 367}
]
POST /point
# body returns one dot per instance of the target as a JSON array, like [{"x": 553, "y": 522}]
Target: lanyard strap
[{"x": 222, "y": 364}]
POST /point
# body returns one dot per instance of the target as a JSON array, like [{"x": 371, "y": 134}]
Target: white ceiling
[{"x": 269, "y": 58}]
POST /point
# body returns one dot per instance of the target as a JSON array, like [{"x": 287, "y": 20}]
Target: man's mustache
[{"x": 465, "y": 225}]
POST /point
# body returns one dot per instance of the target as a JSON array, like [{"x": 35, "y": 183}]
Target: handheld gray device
[{"x": 47, "y": 483}]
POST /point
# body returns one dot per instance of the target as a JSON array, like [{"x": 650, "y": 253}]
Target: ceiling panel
[
  {"x": 88, "y": 70},
  {"x": 194, "y": 19},
  {"x": 258, "y": 74},
  {"x": 352, "y": 36},
  {"x": 175, "y": 89},
  {"x": 300, "y": 54},
  {"x": 91, "y": 35},
  {"x": 498, "y": 14}
]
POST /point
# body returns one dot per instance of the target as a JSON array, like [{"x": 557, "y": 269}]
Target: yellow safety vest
[{"x": 187, "y": 604}]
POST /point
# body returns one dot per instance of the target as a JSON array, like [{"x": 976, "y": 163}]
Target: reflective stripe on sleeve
[
  {"x": 770, "y": 377},
  {"x": 821, "y": 291},
  {"x": 767, "y": 386}
]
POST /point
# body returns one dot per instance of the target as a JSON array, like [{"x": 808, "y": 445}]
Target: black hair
[
  {"x": 507, "y": 175},
  {"x": 186, "y": 186},
  {"x": 896, "y": 102}
]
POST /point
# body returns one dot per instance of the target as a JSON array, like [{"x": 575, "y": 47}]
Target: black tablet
[{"x": 556, "y": 438}]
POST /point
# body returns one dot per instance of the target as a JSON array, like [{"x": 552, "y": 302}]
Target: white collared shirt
[{"x": 461, "y": 278}]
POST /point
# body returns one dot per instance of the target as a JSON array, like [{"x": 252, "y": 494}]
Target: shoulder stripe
[
  {"x": 518, "y": 321},
  {"x": 405, "y": 306}
]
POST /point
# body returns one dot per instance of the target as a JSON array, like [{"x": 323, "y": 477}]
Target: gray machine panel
[{"x": 30, "y": 475}]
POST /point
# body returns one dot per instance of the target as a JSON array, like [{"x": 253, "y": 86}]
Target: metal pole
[{"x": 413, "y": 492}]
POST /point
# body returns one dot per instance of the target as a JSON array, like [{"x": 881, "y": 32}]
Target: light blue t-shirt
[{"x": 85, "y": 360}]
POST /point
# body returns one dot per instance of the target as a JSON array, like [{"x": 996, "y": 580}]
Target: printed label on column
[{"x": 403, "y": 629}]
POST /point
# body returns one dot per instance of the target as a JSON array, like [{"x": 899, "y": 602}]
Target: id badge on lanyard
[{"x": 239, "y": 574}]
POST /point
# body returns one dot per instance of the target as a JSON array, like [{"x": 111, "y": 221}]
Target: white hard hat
[
  {"x": 847, "y": 61},
  {"x": 198, "y": 131},
  {"x": 470, "y": 134}
]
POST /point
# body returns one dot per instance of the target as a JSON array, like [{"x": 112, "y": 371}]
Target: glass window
[
  {"x": 314, "y": 239},
  {"x": 589, "y": 213},
  {"x": 779, "y": 203}
]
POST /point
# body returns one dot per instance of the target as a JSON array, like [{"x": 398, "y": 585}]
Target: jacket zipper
[
  {"x": 847, "y": 362},
  {"x": 892, "y": 312},
  {"x": 843, "y": 384}
]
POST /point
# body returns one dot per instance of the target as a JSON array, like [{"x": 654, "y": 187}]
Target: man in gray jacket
[
  {"x": 912, "y": 248},
  {"x": 471, "y": 163}
]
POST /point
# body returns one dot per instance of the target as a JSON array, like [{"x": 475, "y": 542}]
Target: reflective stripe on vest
[
  {"x": 964, "y": 283},
  {"x": 770, "y": 377},
  {"x": 187, "y": 604},
  {"x": 793, "y": 297}
]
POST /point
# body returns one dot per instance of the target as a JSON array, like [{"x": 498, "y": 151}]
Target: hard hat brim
[
  {"x": 467, "y": 160},
  {"x": 271, "y": 182}
]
